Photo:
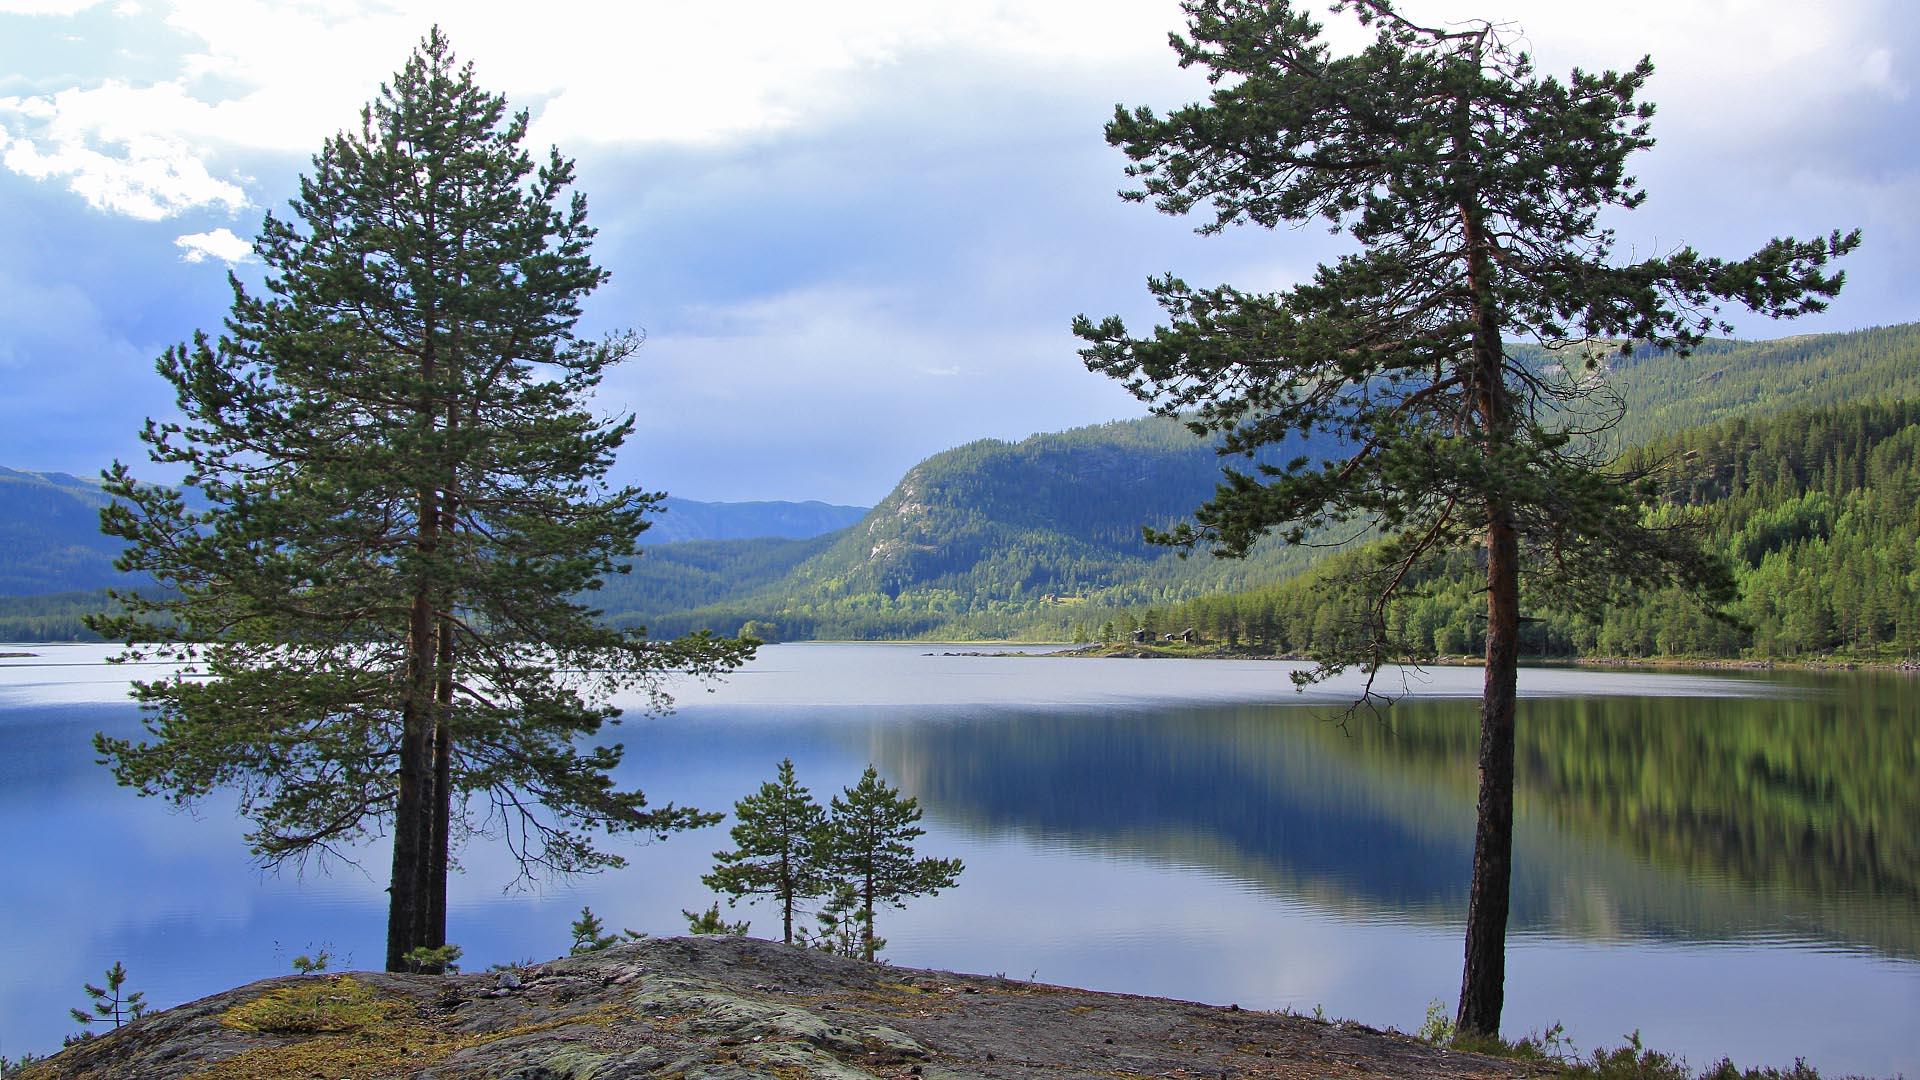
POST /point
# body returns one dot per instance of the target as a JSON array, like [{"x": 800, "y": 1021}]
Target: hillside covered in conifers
[
  {"x": 1040, "y": 538},
  {"x": 1817, "y": 510},
  {"x": 974, "y": 541}
]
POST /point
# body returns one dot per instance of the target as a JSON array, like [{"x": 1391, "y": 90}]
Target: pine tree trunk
[
  {"x": 1483, "y": 976},
  {"x": 787, "y": 889},
  {"x": 1483, "y": 979},
  {"x": 442, "y": 808},
  {"x": 866, "y": 916},
  {"x": 406, "y": 909}
]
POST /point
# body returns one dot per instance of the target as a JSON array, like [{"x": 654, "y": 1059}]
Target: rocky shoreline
[{"x": 716, "y": 1008}]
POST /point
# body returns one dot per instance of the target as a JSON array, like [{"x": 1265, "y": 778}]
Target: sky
[{"x": 854, "y": 232}]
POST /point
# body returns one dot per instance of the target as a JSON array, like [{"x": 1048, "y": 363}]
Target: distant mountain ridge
[
  {"x": 985, "y": 533},
  {"x": 50, "y": 539}
]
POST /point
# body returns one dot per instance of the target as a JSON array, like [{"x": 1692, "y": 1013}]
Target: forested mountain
[
  {"x": 991, "y": 534},
  {"x": 50, "y": 538},
  {"x": 1664, "y": 394},
  {"x": 1041, "y": 538},
  {"x": 1818, "y": 511},
  {"x": 699, "y": 573},
  {"x": 697, "y": 554}
]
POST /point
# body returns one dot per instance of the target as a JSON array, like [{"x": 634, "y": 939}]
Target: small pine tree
[
  {"x": 710, "y": 922},
  {"x": 314, "y": 964},
  {"x": 433, "y": 959},
  {"x": 871, "y": 833},
  {"x": 839, "y": 932},
  {"x": 777, "y": 835},
  {"x": 11, "y": 1067},
  {"x": 590, "y": 934},
  {"x": 110, "y": 1002}
]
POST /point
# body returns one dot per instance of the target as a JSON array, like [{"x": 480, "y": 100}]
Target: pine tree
[
  {"x": 111, "y": 1002},
  {"x": 840, "y": 931},
  {"x": 590, "y": 934},
  {"x": 777, "y": 835},
  {"x": 404, "y": 491},
  {"x": 870, "y": 851},
  {"x": 710, "y": 922},
  {"x": 1472, "y": 189}
]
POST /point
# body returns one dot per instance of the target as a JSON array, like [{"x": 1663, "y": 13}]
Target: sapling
[
  {"x": 778, "y": 832},
  {"x": 433, "y": 960},
  {"x": 710, "y": 922},
  {"x": 112, "y": 1002},
  {"x": 590, "y": 934}
]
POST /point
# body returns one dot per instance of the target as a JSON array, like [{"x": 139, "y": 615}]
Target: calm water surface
[{"x": 1730, "y": 865}]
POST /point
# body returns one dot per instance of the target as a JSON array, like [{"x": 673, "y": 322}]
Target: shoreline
[{"x": 1216, "y": 652}]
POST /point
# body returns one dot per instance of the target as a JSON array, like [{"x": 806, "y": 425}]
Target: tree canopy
[
  {"x": 404, "y": 493},
  {"x": 1475, "y": 192}
]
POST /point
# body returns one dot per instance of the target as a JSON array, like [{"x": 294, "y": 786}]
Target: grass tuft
[{"x": 316, "y": 1007}]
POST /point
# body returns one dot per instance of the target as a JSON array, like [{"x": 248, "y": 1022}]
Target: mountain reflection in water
[{"x": 1687, "y": 819}]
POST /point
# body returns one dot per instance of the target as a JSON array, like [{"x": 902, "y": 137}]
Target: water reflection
[
  {"x": 1174, "y": 828},
  {"x": 1665, "y": 818}
]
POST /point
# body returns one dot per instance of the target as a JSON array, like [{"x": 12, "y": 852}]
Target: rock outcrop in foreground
[{"x": 715, "y": 1007}]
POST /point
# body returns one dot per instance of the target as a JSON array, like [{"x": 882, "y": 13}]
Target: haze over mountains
[{"x": 1039, "y": 537}]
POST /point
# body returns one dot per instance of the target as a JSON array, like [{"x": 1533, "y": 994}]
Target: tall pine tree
[
  {"x": 1472, "y": 189},
  {"x": 404, "y": 493}
]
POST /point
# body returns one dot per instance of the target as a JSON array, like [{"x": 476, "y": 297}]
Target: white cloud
[
  {"x": 281, "y": 77},
  {"x": 1735, "y": 70},
  {"x": 113, "y": 147},
  {"x": 219, "y": 244},
  {"x": 46, "y": 7},
  {"x": 149, "y": 178},
  {"x": 1877, "y": 71}
]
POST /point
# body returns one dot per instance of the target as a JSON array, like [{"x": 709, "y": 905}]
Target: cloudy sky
[{"x": 854, "y": 231}]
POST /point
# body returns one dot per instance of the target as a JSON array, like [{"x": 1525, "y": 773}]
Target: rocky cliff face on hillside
[{"x": 729, "y": 1007}]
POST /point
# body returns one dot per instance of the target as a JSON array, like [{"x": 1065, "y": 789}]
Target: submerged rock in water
[{"x": 723, "y": 1007}]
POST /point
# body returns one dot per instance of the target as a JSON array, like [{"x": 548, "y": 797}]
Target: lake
[{"x": 1728, "y": 864}]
